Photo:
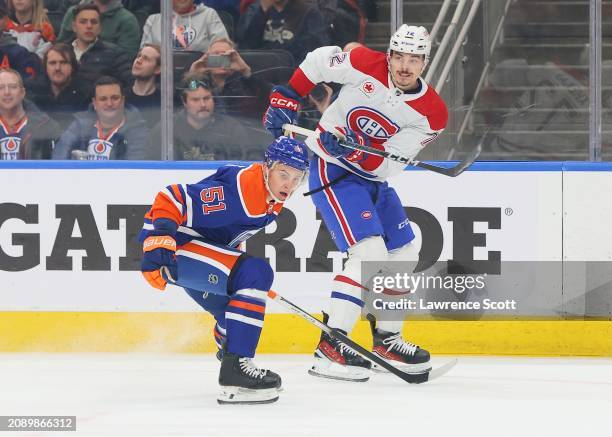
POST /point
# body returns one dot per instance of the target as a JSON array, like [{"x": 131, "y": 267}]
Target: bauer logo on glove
[
  {"x": 159, "y": 256},
  {"x": 153, "y": 243}
]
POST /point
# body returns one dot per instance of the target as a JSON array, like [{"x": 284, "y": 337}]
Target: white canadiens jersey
[{"x": 369, "y": 103}]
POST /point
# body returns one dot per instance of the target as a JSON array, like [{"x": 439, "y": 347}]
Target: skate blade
[
  {"x": 324, "y": 368},
  {"x": 407, "y": 368},
  {"x": 246, "y": 396}
]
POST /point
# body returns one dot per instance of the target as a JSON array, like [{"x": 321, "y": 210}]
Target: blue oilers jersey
[{"x": 225, "y": 208}]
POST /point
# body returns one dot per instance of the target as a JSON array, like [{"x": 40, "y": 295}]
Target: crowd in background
[{"x": 79, "y": 79}]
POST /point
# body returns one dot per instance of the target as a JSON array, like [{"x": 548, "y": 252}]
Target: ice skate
[
  {"x": 335, "y": 360},
  {"x": 398, "y": 352},
  {"x": 242, "y": 382}
]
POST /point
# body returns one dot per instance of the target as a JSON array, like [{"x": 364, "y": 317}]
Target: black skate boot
[
  {"x": 393, "y": 348},
  {"x": 335, "y": 360},
  {"x": 242, "y": 382}
]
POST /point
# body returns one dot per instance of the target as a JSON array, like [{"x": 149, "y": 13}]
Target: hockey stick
[
  {"x": 412, "y": 378},
  {"x": 452, "y": 172}
]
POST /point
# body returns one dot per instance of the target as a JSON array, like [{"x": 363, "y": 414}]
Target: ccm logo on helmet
[
  {"x": 281, "y": 102},
  {"x": 371, "y": 123}
]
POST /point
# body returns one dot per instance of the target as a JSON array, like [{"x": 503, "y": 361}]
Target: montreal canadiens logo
[
  {"x": 366, "y": 215},
  {"x": 10, "y": 144},
  {"x": 372, "y": 123}
]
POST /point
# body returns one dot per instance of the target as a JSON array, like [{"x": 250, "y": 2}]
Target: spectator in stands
[
  {"x": 293, "y": 25},
  {"x": 96, "y": 57},
  {"x": 30, "y": 25},
  {"x": 108, "y": 130},
  {"x": 145, "y": 93},
  {"x": 202, "y": 134},
  {"x": 12, "y": 55},
  {"x": 25, "y": 132},
  {"x": 56, "y": 91},
  {"x": 195, "y": 27},
  {"x": 119, "y": 26},
  {"x": 234, "y": 86},
  {"x": 346, "y": 19}
]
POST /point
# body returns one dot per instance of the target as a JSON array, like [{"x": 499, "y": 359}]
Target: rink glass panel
[
  {"x": 526, "y": 86},
  {"x": 521, "y": 78},
  {"x": 606, "y": 88}
]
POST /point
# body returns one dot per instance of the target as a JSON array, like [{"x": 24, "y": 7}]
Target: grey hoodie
[{"x": 194, "y": 30}]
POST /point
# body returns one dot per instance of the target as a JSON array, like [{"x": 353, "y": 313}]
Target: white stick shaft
[{"x": 299, "y": 130}]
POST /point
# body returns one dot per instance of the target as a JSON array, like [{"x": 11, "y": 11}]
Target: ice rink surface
[{"x": 175, "y": 395}]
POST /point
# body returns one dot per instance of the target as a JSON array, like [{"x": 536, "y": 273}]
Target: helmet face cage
[{"x": 410, "y": 39}]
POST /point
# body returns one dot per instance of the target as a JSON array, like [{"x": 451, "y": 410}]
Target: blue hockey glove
[
  {"x": 337, "y": 150},
  {"x": 283, "y": 108}
]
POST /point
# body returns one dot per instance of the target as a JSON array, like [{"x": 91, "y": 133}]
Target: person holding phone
[
  {"x": 221, "y": 60},
  {"x": 237, "y": 90}
]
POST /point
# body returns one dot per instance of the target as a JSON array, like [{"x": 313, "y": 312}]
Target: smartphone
[{"x": 218, "y": 61}]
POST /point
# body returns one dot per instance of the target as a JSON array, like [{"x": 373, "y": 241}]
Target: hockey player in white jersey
[{"x": 383, "y": 103}]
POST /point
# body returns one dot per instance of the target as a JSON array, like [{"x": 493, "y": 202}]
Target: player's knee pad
[
  {"x": 368, "y": 249},
  {"x": 252, "y": 273}
]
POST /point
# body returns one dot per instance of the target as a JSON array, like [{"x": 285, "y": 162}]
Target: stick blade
[
  {"x": 470, "y": 159},
  {"x": 442, "y": 370},
  {"x": 419, "y": 378},
  {"x": 466, "y": 162}
]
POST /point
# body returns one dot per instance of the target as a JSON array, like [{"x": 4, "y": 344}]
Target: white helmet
[{"x": 411, "y": 39}]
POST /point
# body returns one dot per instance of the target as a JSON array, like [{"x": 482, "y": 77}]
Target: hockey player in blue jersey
[{"x": 191, "y": 237}]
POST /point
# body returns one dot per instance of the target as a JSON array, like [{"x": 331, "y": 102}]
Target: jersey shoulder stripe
[
  {"x": 431, "y": 106},
  {"x": 371, "y": 62},
  {"x": 253, "y": 192}
]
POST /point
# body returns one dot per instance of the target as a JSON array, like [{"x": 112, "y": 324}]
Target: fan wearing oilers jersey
[
  {"x": 25, "y": 132},
  {"x": 383, "y": 103},
  {"x": 191, "y": 238},
  {"x": 110, "y": 129}
]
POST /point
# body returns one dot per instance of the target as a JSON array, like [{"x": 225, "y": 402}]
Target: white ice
[{"x": 175, "y": 395}]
